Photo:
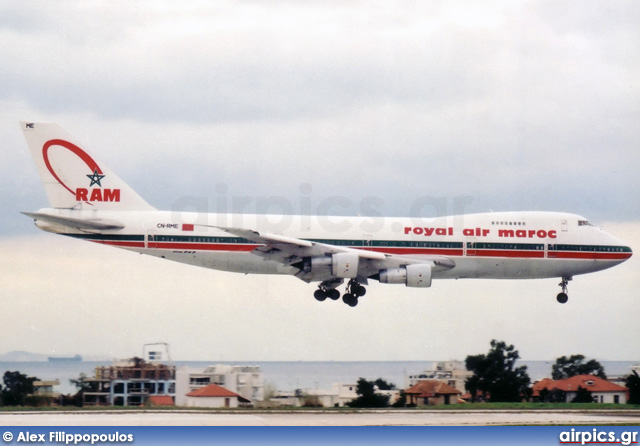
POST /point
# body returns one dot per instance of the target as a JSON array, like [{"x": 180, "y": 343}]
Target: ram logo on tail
[{"x": 73, "y": 179}]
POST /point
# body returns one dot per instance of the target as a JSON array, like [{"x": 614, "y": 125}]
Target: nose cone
[
  {"x": 622, "y": 251},
  {"x": 614, "y": 251},
  {"x": 628, "y": 252}
]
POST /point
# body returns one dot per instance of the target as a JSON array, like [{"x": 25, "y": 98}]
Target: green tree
[
  {"x": 553, "y": 396},
  {"x": 633, "y": 384},
  {"x": 368, "y": 397},
  {"x": 83, "y": 386},
  {"x": 495, "y": 375},
  {"x": 383, "y": 385},
  {"x": 582, "y": 396},
  {"x": 81, "y": 383},
  {"x": 16, "y": 388},
  {"x": 575, "y": 365}
]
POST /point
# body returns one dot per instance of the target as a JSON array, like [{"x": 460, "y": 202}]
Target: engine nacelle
[
  {"x": 418, "y": 275},
  {"x": 393, "y": 275},
  {"x": 345, "y": 265},
  {"x": 320, "y": 263}
]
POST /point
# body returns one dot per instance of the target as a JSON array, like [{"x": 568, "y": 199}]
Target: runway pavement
[{"x": 317, "y": 418}]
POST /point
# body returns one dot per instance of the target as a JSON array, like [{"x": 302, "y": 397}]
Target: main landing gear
[
  {"x": 563, "y": 297},
  {"x": 353, "y": 292},
  {"x": 321, "y": 294}
]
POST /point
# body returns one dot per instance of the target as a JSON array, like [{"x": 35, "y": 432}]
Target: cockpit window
[{"x": 584, "y": 223}]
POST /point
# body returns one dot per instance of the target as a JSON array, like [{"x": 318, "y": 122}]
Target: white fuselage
[
  {"x": 509, "y": 245},
  {"x": 90, "y": 202}
]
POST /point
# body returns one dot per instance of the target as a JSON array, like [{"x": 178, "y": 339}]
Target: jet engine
[
  {"x": 418, "y": 275},
  {"x": 343, "y": 265}
]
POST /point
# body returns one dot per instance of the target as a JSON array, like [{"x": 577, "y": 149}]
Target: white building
[
  {"x": 602, "y": 391},
  {"x": 454, "y": 373},
  {"x": 246, "y": 381},
  {"x": 338, "y": 396}
]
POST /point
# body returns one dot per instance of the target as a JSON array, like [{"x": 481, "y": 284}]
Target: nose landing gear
[{"x": 563, "y": 297}]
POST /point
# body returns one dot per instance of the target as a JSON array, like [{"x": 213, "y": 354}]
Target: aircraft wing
[
  {"x": 75, "y": 223},
  {"x": 298, "y": 246},
  {"x": 295, "y": 252}
]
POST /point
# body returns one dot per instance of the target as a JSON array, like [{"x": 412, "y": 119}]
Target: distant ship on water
[{"x": 76, "y": 358}]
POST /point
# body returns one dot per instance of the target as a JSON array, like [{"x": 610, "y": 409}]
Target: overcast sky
[{"x": 476, "y": 106}]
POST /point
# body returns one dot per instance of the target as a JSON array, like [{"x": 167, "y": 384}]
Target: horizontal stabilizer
[{"x": 75, "y": 223}]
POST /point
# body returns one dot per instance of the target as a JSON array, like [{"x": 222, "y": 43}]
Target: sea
[{"x": 289, "y": 375}]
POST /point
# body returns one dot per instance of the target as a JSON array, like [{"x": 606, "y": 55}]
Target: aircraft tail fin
[{"x": 72, "y": 178}]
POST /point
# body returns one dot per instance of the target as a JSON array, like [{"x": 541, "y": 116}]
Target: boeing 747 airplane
[{"x": 90, "y": 202}]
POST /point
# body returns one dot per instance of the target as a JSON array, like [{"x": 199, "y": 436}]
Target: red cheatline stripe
[
  {"x": 400, "y": 251},
  {"x": 509, "y": 253},
  {"x": 203, "y": 246},
  {"x": 592, "y": 255}
]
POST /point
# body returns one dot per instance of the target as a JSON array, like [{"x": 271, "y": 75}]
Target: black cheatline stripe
[
  {"x": 199, "y": 239},
  {"x": 109, "y": 237},
  {"x": 589, "y": 248},
  {"x": 510, "y": 246}
]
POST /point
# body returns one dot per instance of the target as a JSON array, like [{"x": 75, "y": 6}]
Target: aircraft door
[
  {"x": 471, "y": 246},
  {"x": 151, "y": 239}
]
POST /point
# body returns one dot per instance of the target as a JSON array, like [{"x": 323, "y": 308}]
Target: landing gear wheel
[
  {"x": 562, "y": 298},
  {"x": 333, "y": 294},
  {"x": 355, "y": 290},
  {"x": 350, "y": 299},
  {"x": 320, "y": 295}
]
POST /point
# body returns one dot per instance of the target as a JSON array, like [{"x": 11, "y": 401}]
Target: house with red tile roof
[
  {"x": 602, "y": 391},
  {"x": 431, "y": 392},
  {"x": 214, "y": 395},
  {"x": 245, "y": 380}
]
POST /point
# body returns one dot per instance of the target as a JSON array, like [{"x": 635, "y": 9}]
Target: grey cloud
[
  {"x": 512, "y": 109},
  {"x": 242, "y": 74}
]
